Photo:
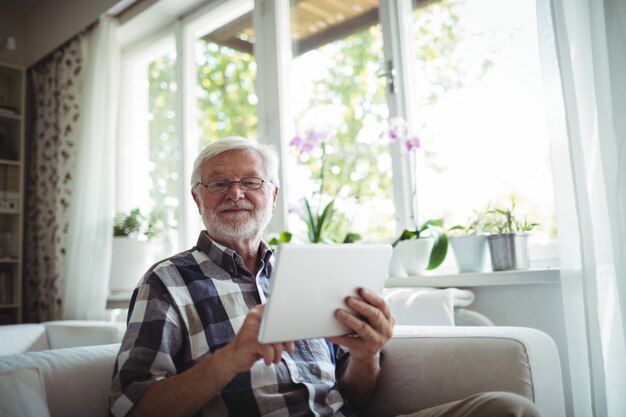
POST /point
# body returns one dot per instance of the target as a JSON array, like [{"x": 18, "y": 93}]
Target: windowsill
[
  {"x": 479, "y": 279},
  {"x": 119, "y": 299},
  {"x": 536, "y": 276}
]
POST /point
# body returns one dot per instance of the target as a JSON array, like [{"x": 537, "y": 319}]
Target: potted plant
[
  {"x": 469, "y": 243},
  {"x": 508, "y": 238},
  {"x": 325, "y": 224},
  {"x": 132, "y": 255},
  {"x": 419, "y": 250}
]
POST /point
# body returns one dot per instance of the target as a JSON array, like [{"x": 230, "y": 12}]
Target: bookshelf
[{"x": 12, "y": 93}]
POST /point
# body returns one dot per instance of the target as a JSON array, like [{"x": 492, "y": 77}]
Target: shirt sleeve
[
  {"x": 341, "y": 359},
  {"x": 152, "y": 339}
]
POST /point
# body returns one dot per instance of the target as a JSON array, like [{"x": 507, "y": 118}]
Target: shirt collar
[{"x": 228, "y": 258}]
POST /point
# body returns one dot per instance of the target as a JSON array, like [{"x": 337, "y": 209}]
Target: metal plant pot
[{"x": 509, "y": 251}]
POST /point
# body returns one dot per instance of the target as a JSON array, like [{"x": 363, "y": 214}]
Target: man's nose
[{"x": 235, "y": 192}]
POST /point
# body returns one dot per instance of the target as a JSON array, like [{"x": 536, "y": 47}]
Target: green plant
[
  {"x": 321, "y": 226},
  {"x": 283, "y": 237},
  {"x": 506, "y": 220},
  {"x": 324, "y": 224},
  {"x": 430, "y": 228},
  {"x": 474, "y": 225},
  {"x": 135, "y": 224}
]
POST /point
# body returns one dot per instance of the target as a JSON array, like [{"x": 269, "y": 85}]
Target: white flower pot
[
  {"x": 470, "y": 252},
  {"x": 414, "y": 254},
  {"x": 130, "y": 259}
]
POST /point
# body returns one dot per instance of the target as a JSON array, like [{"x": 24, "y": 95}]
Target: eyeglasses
[{"x": 222, "y": 186}]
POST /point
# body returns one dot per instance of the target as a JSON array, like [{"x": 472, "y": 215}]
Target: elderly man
[
  {"x": 191, "y": 346},
  {"x": 191, "y": 343}
]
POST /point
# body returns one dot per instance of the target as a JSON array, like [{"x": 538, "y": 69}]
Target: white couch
[
  {"x": 20, "y": 338},
  {"x": 422, "y": 366}
]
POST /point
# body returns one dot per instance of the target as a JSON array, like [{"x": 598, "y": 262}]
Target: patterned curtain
[{"x": 56, "y": 89}]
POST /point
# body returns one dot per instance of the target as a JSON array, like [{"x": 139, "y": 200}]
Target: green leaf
[
  {"x": 439, "y": 251},
  {"x": 352, "y": 237},
  {"x": 324, "y": 219},
  {"x": 406, "y": 235},
  {"x": 285, "y": 237},
  {"x": 310, "y": 222}
]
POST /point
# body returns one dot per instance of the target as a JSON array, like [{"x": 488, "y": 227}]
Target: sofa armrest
[
  {"x": 423, "y": 366},
  {"x": 20, "y": 338},
  {"x": 75, "y": 333},
  {"x": 76, "y": 381}
]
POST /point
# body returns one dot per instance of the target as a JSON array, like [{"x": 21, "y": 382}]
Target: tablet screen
[{"x": 311, "y": 281}]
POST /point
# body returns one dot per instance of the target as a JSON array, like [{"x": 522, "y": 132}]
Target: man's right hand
[
  {"x": 244, "y": 350},
  {"x": 163, "y": 397}
]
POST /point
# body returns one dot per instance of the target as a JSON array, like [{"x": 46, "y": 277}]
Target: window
[
  {"x": 450, "y": 67},
  {"x": 337, "y": 100},
  {"x": 226, "y": 81},
  {"x": 149, "y": 152},
  {"x": 479, "y": 111}
]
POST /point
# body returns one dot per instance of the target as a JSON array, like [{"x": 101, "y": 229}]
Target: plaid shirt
[{"x": 188, "y": 306}]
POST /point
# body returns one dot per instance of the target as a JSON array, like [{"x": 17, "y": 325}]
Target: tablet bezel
[{"x": 306, "y": 274}]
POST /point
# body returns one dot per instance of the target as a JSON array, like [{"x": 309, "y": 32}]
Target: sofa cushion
[
  {"x": 18, "y": 338},
  {"x": 22, "y": 394},
  {"x": 71, "y": 376},
  {"x": 451, "y": 363},
  {"x": 74, "y": 333},
  {"x": 424, "y": 306}
]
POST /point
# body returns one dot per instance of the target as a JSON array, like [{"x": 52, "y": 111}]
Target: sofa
[
  {"x": 57, "y": 334},
  {"x": 421, "y": 366}
]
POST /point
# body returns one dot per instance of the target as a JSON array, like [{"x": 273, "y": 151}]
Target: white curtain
[
  {"x": 583, "y": 44},
  {"x": 91, "y": 218}
]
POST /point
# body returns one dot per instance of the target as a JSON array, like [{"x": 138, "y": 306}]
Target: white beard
[{"x": 235, "y": 225}]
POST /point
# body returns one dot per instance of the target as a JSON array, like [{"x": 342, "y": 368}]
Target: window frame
[{"x": 273, "y": 53}]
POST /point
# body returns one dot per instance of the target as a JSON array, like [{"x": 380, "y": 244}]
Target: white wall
[
  {"x": 539, "y": 306},
  {"x": 42, "y": 26}
]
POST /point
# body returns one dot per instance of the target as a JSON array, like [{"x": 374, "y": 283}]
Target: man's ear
[
  {"x": 196, "y": 199},
  {"x": 275, "y": 197}
]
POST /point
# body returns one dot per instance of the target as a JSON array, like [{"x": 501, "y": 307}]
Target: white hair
[{"x": 269, "y": 157}]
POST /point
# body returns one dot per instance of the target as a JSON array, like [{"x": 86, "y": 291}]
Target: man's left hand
[{"x": 371, "y": 330}]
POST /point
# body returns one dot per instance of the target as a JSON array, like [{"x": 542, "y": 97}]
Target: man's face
[{"x": 235, "y": 214}]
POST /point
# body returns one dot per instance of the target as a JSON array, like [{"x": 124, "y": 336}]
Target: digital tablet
[{"x": 311, "y": 281}]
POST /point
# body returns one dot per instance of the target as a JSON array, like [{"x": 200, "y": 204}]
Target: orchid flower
[
  {"x": 399, "y": 131},
  {"x": 309, "y": 142},
  {"x": 412, "y": 143}
]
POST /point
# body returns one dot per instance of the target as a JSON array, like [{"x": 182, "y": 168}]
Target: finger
[
  {"x": 376, "y": 300},
  {"x": 289, "y": 346},
  {"x": 360, "y": 327},
  {"x": 373, "y": 315},
  {"x": 278, "y": 352},
  {"x": 267, "y": 353}
]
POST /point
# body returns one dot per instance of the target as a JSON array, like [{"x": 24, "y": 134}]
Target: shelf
[
  {"x": 10, "y": 116},
  {"x": 119, "y": 299},
  {"x": 10, "y": 162},
  {"x": 479, "y": 279},
  {"x": 9, "y": 260}
]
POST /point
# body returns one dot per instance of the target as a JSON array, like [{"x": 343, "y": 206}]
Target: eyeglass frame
[{"x": 230, "y": 184}]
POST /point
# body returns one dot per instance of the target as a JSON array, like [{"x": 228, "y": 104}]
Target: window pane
[
  {"x": 338, "y": 102},
  {"x": 226, "y": 72},
  {"x": 149, "y": 162},
  {"x": 164, "y": 160},
  {"x": 480, "y": 111}
]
